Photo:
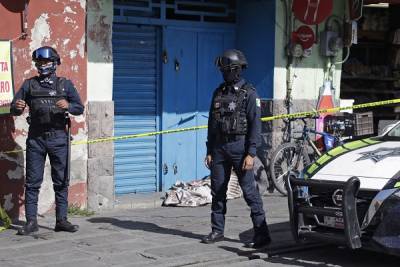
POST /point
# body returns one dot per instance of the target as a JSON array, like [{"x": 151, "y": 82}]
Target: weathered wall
[
  {"x": 309, "y": 71},
  {"x": 100, "y": 68},
  {"x": 60, "y": 24},
  {"x": 307, "y": 75},
  {"x": 100, "y": 114}
]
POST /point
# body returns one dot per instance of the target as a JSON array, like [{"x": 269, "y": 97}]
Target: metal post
[{"x": 69, "y": 145}]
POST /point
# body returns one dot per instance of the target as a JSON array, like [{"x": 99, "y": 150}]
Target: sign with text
[{"x": 6, "y": 81}]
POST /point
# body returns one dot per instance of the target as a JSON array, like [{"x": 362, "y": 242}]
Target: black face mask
[
  {"x": 231, "y": 75},
  {"x": 46, "y": 70}
]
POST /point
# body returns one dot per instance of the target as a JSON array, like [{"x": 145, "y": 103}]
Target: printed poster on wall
[{"x": 6, "y": 81}]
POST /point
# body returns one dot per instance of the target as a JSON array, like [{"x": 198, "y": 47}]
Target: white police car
[{"x": 351, "y": 195}]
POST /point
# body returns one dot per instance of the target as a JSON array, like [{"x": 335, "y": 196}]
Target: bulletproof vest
[
  {"x": 43, "y": 109},
  {"x": 229, "y": 111}
]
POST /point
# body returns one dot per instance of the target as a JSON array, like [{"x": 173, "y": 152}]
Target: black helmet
[
  {"x": 231, "y": 58},
  {"x": 46, "y": 52}
]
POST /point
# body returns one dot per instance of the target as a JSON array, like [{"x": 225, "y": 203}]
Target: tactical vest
[
  {"x": 229, "y": 111},
  {"x": 43, "y": 109}
]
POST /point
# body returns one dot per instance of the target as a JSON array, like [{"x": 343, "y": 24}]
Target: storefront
[
  {"x": 148, "y": 65},
  {"x": 164, "y": 76},
  {"x": 371, "y": 71}
]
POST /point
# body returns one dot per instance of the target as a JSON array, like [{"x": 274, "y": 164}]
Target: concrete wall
[
  {"x": 100, "y": 67},
  {"x": 309, "y": 71},
  {"x": 100, "y": 114},
  {"x": 307, "y": 74},
  {"x": 60, "y": 24}
]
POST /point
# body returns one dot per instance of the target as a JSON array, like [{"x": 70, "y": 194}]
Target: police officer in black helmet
[
  {"x": 233, "y": 134},
  {"x": 50, "y": 99}
]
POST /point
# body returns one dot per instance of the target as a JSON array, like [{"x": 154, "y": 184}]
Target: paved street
[{"x": 168, "y": 236}]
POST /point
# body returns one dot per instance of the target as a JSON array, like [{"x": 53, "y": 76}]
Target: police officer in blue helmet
[
  {"x": 233, "y": 135},
  {"x": 50, "y": 99}
]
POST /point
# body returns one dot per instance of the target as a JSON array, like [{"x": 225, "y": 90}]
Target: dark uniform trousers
[
  {"x": 224, "y": 156},
  {"x": 39, "y": 144}
]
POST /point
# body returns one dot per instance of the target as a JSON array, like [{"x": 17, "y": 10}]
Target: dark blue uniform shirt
[
  {"x": 75, "y": 105},
  {"x": 252, "y": 114}
]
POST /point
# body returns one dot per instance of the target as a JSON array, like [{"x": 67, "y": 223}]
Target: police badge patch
[
  {"x": 52, "y": 92},
  {"x": 232, "y": 106}
]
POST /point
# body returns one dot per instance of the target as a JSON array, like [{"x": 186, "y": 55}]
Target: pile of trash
[{"x": 198, "y": 192}]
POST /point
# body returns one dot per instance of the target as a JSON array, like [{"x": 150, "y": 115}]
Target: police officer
[
  {"x": 233, "y": 134},
  {"x": 50, "y": 99}
]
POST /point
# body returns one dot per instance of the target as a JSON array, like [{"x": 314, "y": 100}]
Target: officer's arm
[
  {"x": 20, "y": 95},
  {"x": 254, "y": 124},
  {"x": 75, "y": 106},
  {"x": 210, "y": 133}
]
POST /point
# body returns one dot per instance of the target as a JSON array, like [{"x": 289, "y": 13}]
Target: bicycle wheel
[{"x": 285, "y": 160}]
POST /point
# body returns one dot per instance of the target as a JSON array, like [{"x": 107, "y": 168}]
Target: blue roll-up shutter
[{"x": 135, "y": 50}]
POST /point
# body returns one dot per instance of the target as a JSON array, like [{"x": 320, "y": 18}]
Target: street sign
[{"x": 312, "y": 12}]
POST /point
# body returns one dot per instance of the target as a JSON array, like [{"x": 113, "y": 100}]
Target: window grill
[{"x": 217, "y": 11}]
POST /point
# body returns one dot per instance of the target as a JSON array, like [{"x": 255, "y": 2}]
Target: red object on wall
[
  {"x": 312, "y": 12},
  {"x": 304, "y": 36}
]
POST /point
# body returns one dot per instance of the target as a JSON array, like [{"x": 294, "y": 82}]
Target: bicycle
[{"x": 291, "y": 157}]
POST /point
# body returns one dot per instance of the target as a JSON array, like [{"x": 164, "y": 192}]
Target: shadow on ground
[
  {"x": 287, "y": 253},
  {"x": 148, "y": 227}
]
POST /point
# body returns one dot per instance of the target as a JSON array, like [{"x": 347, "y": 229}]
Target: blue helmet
[{"x": 46, "y": 53}]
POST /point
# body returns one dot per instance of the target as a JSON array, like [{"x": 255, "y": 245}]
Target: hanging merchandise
[{"x": 312, "y": 12}]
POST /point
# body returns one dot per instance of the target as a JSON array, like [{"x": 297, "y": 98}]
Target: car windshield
[{"x": 394, "y": 132}]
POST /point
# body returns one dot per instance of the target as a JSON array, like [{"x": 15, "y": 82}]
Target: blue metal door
[
  {"x": 136, "y": 80},
  {"x": 189, "y": 78}
]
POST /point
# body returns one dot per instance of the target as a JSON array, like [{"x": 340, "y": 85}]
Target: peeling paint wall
[
  {"x": 60, "y": 24},
  {"x": 100, "y": 114},
  {"x": 100, "y": 67}
]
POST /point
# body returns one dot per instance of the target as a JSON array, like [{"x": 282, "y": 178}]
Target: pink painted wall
[{"x": 60, "y": 24}]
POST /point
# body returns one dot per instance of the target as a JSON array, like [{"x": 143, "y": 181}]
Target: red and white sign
[
  {"x": 6, "y": 81},
  {"x": 304, "y": 36},
  {"x": 312, "y": 12}
]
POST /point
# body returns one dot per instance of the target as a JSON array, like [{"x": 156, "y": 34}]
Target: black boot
[
  {"x": 65, "y": 226},
  {"x": 213, "y": 237},
  {"x": 261, "y": 237},
  {"x": 30, "y": 227}
]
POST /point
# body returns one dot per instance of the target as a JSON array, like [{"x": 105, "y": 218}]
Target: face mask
[
  {"x": 45, "y": 69},
  {"x": 231, "y": 75}
]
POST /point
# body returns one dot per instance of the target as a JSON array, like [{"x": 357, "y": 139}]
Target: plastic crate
[{"x": 363, "y": 123}]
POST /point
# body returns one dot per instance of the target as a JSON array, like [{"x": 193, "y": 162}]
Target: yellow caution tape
[
  {"x": 331, "y": 110},
  {"x": 6, "y": 220},
  {"x": 123, "y": 137},
  {"x": 264, "y": 119}
]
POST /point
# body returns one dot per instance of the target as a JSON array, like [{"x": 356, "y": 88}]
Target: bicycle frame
[{"x": 329, "y": 139}]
